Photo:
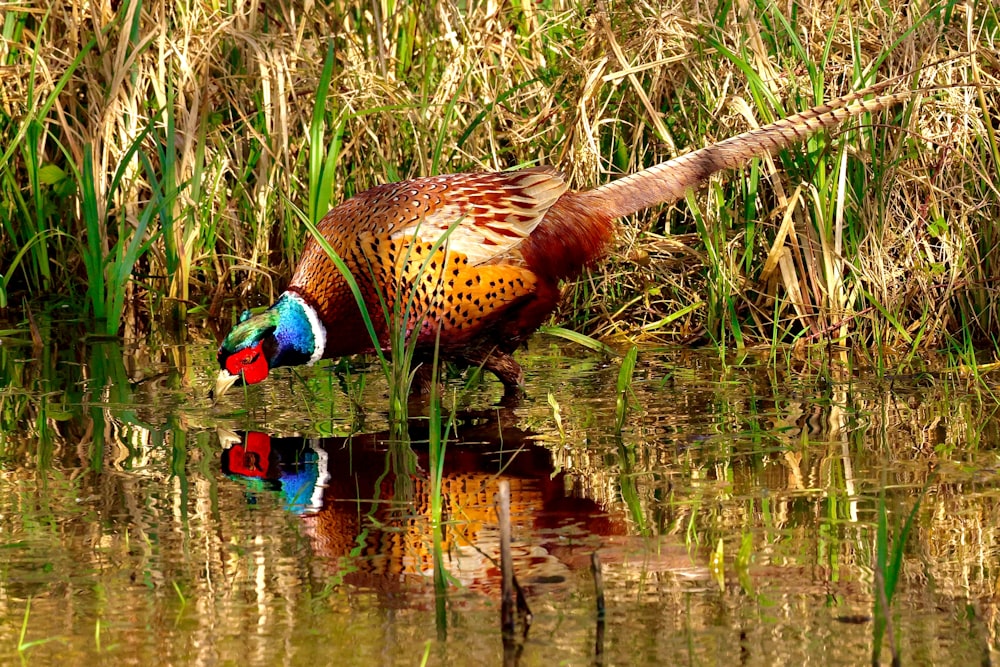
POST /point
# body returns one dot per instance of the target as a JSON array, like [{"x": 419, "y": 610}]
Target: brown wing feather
[{"x": 488, "y": 214}]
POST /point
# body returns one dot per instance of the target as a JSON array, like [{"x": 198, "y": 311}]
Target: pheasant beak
[{"x": 223, "y": 382}]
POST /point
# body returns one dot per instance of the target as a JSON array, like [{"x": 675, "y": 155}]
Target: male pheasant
[{"x": 482, "y": 289}]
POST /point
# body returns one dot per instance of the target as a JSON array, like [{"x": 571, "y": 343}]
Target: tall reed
[{"x": 197, "y": 129}]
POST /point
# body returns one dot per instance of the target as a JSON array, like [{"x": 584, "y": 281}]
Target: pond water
[{"x": 735, "y": 514}]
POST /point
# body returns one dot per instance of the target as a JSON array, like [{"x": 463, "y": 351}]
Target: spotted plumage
[{"x": 474, "y": 260}]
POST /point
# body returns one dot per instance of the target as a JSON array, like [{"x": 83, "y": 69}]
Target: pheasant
[{"x": 477, "y": 256}]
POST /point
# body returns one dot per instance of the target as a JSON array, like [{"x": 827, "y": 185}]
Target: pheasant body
[{"x": 474, "y": 260}]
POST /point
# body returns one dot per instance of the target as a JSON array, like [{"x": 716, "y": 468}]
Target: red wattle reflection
[{"x": 252, "y": 458}]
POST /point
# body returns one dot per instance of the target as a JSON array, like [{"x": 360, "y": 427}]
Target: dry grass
[{"x": 880, "y": 233}]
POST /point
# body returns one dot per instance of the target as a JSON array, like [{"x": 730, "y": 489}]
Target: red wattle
[{"x": 250, "y": 362}]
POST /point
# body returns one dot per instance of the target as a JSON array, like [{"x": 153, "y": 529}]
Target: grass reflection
[{"x": 122, "y": 518}]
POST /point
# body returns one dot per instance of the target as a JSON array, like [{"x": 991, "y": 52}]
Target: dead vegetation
[{"x": 203, "y": 135}]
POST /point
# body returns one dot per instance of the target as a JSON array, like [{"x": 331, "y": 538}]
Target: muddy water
[{"x": 734, "y": 514}]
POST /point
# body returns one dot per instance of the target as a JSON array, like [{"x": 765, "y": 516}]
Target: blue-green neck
[{"x": 299, "y": 334}]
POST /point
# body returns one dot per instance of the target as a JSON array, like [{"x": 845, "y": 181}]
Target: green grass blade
[
  {"x": 578, "y": 338},
  {"x": 322, "y": 159}
]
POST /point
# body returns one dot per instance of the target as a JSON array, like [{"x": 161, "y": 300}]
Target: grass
[
  {"x": 888, "y": 566},
  {"x": 437, "y": 443},
  {"x": 628, "y": 487},
  {"x": 624, "y": 389},
  {"x": 155, "y": 172},
  {"x": 23, "y": 644}
]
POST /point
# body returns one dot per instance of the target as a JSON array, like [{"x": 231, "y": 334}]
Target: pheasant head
[{"x": 289, "y": 333}]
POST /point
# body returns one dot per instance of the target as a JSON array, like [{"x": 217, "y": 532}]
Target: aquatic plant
[
  {"x": 888, "y": 566},
  {"x": 624, "y": 388},
  {"x": 438, "y": 431}
]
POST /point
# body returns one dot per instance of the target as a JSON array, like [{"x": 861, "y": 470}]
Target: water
[{"x": 735, "y": 515}]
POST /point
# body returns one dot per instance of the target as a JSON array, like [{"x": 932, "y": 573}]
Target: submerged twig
[
  {"x": 506, "y": 561},
  {"x": 595, "y": 567},
  {"x": 513, "y": 601}
]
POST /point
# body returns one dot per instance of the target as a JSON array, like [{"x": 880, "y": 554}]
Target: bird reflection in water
[{"x": 365, "y": 503}]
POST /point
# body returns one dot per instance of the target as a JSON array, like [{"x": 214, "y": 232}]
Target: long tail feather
[{"x": 669, "y": 181}]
